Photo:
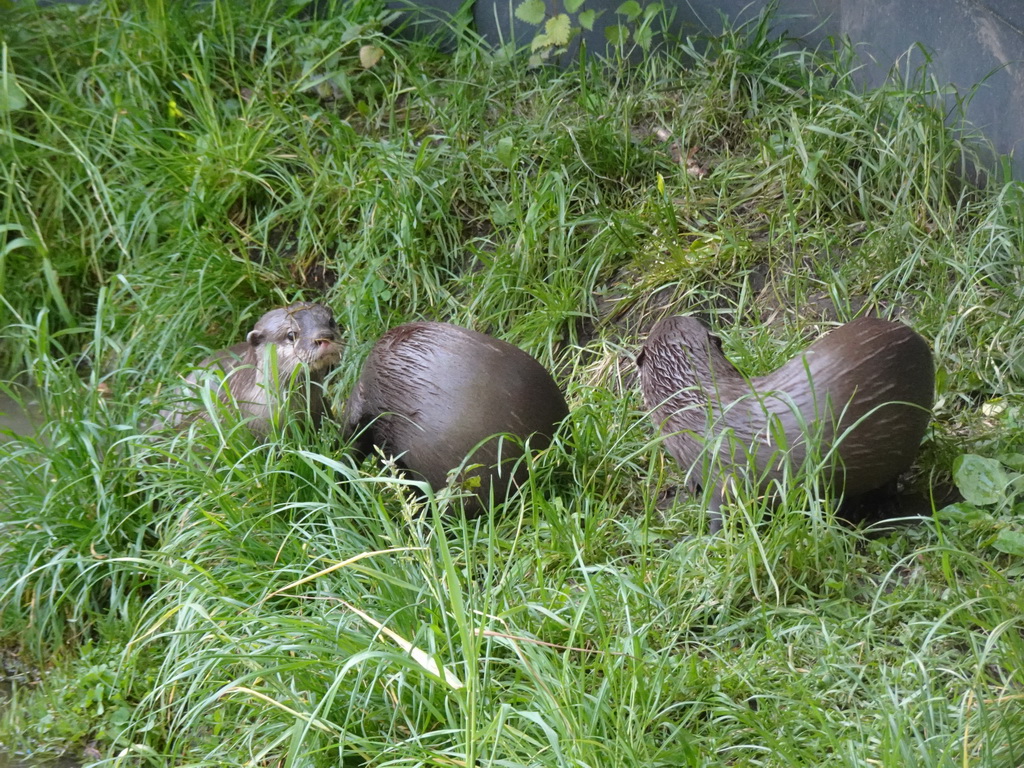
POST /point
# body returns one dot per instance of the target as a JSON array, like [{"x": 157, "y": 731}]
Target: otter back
[
  {"x": 861, "y": 396},
  {"x": 436, "y": 395}
]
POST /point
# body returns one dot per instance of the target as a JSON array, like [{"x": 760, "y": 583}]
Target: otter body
[
  {"x": 862, "y": 394},
  {"x": 280, "y": 367},
  {"x": 438, "y": 397}
]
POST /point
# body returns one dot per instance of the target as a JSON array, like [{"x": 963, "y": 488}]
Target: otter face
[{"x": 303, "y": 333}]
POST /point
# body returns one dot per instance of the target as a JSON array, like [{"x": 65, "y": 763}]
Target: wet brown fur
[
  {"x": 862, "y": 393},
  {"x": 306, "y": 342},
  {"x": 430, "y": 394}
]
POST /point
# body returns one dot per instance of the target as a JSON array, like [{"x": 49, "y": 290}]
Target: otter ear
[
  {"x": 639, "y": 360},
  {"x": 716, "y": 341},
  {"x": 255, "y": 338}
]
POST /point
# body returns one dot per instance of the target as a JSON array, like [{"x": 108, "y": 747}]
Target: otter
[
  {"x": 864, "y": 392},
  {"x": 442, "y": 398},
  {"x": 279, "y": 367}
]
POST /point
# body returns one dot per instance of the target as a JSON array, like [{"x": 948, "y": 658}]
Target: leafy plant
[
  {"x": 558, "y": 29},
  {"x": 636, "y": 25},
  {"x": 985, "y": 482},
  {"x": 72, "y": 705},
  {"x": 330, "y": 61},
  {"x": 992, "y": 485}
]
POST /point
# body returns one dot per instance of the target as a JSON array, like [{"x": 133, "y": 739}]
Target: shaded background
[{"x": 974, "y": 46}]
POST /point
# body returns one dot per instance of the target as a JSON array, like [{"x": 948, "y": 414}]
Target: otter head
[
  {"x": 304, "y": 334},
  {"x": 680, "y": 353}
]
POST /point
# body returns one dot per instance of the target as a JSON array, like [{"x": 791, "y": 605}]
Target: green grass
[{"x": 198, "y": 599}]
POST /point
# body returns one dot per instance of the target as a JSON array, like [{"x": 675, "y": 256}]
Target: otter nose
[{"x": 325, "y": 340}]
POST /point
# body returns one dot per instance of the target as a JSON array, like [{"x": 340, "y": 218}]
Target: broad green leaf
[
  {"x": 506, "y": 151},
  {"x": 12, "y": 97},
  {"x": 531, "y": 11},
  {"x": 1010, "y": 542},
  {"x": 559, "y": 29},
  {"x": 652, "y": 10},
  {"x": 592, "y": 102},
  {"x": 586, "y": 19},
  {"x": 352, "y": 33},
  {"x": 982, "y": 481},
  {"x": 616, "y": 34},
  {"x": 630, "y": 9},
  {"x": 503, "y": 213},
  {"x": 539, "y": 41},
  {"x": 573, "y": 5},
  {"x": 960, "y": 512},
  {"x": 643, "y": 37},
  {"x": 380, "y": 289},
  {"x": 1012, "y": 460}
]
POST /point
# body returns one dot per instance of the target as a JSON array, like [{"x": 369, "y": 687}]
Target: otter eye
[{"x": 292, "y": 336}]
